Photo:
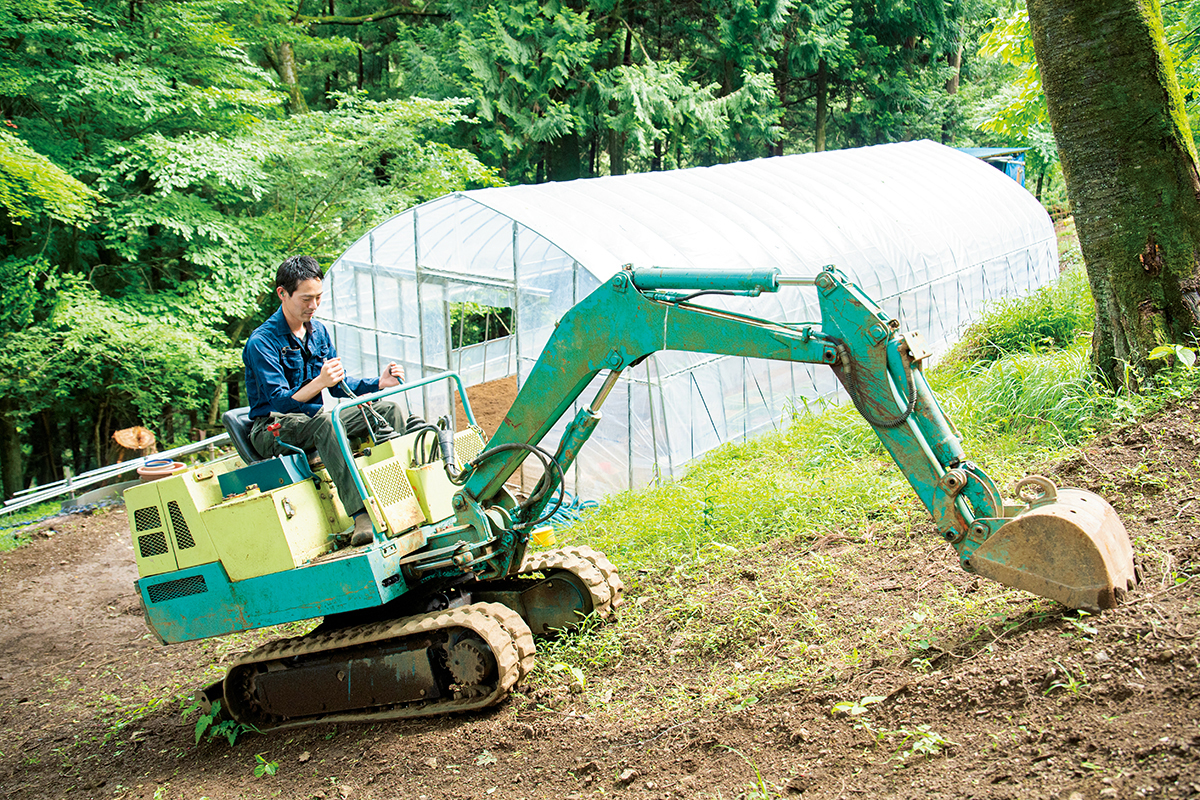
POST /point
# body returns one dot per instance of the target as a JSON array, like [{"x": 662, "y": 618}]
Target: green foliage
[
  {"x": 1184, "y": 356},
  {"x": 20, "y": 300},
  {"x": 472, "y": 323},
  {"x": 214, "y": 725},
  {"x": 28, "y": 178},
  {"x": 1181, "y": 23},
  {"x": 263, "y": 767},
  {"x": 1053, "y": 317},
  {"x": 12, "y": 534},
  {"x": 110, "y": 350},
  {"x": 855, "y": 708},
  {"x": 152, "y": 132},
  {"x": 652, "y": 103},
  {"x": 920, "y": 741},
  {"x": 1058, "y": 395},
  {"x": 1020, "y": 106},
  {"x": 1066, "y": 680}
]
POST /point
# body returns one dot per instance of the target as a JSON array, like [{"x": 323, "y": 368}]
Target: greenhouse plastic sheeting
[{"x": 928, "y": 232}]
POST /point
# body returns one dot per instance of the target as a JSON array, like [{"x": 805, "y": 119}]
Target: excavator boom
[{"x": 1068, "y": 545}]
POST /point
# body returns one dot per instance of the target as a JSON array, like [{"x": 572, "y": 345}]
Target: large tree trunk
[
  {"x": 1130, "y": 168},
  {"x": 954, "y": 61},
  {"x": 12, "y": 468},
  {"x": 822, "y": 106},
  {"x": 282, "y": 59},
  {"x": 564, "y": 158}
]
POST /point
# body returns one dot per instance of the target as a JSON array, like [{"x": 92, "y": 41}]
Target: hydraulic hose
[
  {"x": 548, "y": 463},
  {"x": 851, "y": 382}
]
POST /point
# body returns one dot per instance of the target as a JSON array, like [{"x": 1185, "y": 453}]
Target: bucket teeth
[{"x": 1070, "y": 547}]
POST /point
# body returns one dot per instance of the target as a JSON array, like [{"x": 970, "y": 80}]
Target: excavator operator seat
[{"x": 237, "y": 425}]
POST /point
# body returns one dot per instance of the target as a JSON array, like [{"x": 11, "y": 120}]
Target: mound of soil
[
  {"x": 489, "y": 403},
  {"x": 1047, "y": 705}
]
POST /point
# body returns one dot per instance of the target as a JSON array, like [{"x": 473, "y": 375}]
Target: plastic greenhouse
[{"x": 928, "y": 232}]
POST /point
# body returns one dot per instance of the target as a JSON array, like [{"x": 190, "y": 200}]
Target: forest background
[{"x": 158, "y": 159}]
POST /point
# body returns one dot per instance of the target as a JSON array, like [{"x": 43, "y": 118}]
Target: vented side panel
[
  {"x": 388, "y": 483},
  {"x": 183, "y": 536},
  {"x": 171, "y": 590},
  {"x": 147, "y": 519},
  {"x": 468, "y": 444},
  {"x": 152, "y": 544}
]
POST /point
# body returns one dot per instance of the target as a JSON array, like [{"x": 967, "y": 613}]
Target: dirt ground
[
  {"x": 489, "y": 403},
  {"x": 1046, "y": 705}
]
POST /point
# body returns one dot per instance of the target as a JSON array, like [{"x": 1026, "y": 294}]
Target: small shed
[
  {"x": 929, "y": 232},
  {"x": 1009, "y": 160}
]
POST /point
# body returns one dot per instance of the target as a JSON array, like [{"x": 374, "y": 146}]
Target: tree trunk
[
  {"x": 822, "y": 106},
  {"x": 12, "y": 469},
  {"x": 284, "y": 61},
  {"x": 214, "y": 406},
  {"x": 954, "y": 60},
  {"x": 563, "y": 158},
  {"x": 233, "y": 394},
  {"x": 618, "y": 139},
  {"x": 1130, "y": 168},
  {"x": 42, "y": 433},
  {"x": 616, "y": 152}
]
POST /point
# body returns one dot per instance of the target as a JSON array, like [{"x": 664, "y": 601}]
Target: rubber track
[
  {"x": 611, "y": 577},
  {"x": 592, "y": 568},
  {"x": 505, "y": 633}
]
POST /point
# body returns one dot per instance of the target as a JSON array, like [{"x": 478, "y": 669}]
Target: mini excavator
[{"x": 439, "y": 612}]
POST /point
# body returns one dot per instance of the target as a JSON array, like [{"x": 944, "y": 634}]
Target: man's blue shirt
[{"x": 278, "y": 363}]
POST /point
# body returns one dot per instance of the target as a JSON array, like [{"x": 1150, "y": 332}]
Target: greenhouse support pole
[
  {"x": 724, "y": 409},
  {"x": 448, "y": 326},
  {"x": 516, "y": 248},
  {"x": 516, "y": 315},
  {"x": 653, "y": 425},
  {"x": 745, "y": 402},
  {"x": 375, "y": 304},
  {"x": 574, "y": 301},
  {"x": 663, "y": 413},
  {"x": 420, "y": 309},
  {"x": 333, "y": 308},
  {"x": 629, "y": 428}
]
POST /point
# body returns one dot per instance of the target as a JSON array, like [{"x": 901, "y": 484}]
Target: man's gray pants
[{"x": 316, "y": 433}]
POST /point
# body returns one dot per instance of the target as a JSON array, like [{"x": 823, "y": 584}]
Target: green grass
[
  {"x": 17, "y": 534},
  {"x": 1054, "y": 317}
]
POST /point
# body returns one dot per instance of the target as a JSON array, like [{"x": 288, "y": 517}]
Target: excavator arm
[{"x": 1067, "y": 545}]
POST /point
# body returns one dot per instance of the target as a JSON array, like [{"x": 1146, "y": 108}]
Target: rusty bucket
[{"x": 1066, "y": 544}]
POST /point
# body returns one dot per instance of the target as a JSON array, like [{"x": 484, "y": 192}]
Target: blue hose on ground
[{"x": 570, "y": 510}]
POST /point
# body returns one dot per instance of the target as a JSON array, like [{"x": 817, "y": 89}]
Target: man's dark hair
[{"x": 296, "y": 269}]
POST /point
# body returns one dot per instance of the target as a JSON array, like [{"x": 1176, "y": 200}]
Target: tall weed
[
  {"x": 1053, "y": 317},
  {"x": 1056, "y": 397}
]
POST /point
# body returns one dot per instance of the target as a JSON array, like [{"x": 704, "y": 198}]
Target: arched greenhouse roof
[{"x": 929, "y": 232}]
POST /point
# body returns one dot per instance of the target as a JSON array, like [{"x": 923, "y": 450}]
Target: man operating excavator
[{"x": 289, "y": 359}]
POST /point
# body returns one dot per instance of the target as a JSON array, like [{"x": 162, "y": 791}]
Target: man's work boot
[{"x": 364, "y": 531}]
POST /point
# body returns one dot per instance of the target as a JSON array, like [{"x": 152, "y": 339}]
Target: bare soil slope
[{"x": 1040, "y": 704}]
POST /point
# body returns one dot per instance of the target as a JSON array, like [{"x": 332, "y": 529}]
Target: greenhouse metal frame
[{"x": 928, "y": 232}]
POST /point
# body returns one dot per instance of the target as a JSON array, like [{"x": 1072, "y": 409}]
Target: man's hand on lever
[{"x": 393, "y": 375}]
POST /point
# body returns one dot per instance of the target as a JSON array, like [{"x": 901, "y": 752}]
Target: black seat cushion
[{"x": 237, "y": 425}]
